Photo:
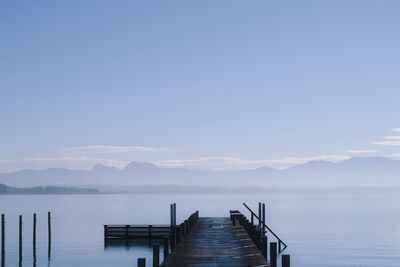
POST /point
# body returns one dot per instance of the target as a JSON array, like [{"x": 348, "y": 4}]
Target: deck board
[{"x": 213, "y": 241}]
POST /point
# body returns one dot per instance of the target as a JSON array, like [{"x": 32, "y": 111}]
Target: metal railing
[{"x": 264, "y": 226}]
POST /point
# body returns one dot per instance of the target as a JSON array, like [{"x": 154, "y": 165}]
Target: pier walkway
[{"x": 214, "y": 241}]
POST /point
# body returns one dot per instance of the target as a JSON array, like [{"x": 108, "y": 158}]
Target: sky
[{"x": 197, "y": 84}]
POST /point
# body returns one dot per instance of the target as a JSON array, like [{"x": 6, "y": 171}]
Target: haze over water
[{"x": 321, "y": 229}]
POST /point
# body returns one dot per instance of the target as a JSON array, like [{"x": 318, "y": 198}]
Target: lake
[{"x": 320, "y": 229}]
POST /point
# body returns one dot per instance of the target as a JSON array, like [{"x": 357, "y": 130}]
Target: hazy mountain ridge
[
  {"x": 368, "y": 171},
  {"x": 39, "y": 190}
]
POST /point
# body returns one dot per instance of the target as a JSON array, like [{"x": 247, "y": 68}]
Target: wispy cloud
[
  {"x": 234, "y": 163},
  {"x": 395, "y": 156},
  {"x": 359, "y": 151},
  {"x": 392, "y": 137},
  {"x": 116, "y": 149},
  {"x": 391, "y": 140}
]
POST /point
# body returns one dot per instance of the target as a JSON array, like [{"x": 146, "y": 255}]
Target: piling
[
  {"x": 173, "y": 238},
  {"x": 273, "y": 254},
  {"x": 3, "y": 240},
  {"x": 259, "y": 214},
  {"x": 178, "y": 234},
  {"x": 186, "y": 226},
  {"x": 141, "y": 262},
  {"x": 263, "y": 218},
  {"x": 171, "y": 214},
  {"x": 165, "y": 247},
  {"x": 174, "y": 205},
  {"x": 49, "y": 235},
  {"x": 34, "y": 237},
  {"x": 20, "y": 239},
  {"x": 105, "y": 234},
  {"x": 182, "y": 226},
  {"x": 286, "y": 260},
  {"x": 264, "y": 247},
  {"x": 156, "y": 255}
]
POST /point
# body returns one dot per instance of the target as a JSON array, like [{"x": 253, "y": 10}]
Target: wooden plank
[{"x": 214, "y": 241}]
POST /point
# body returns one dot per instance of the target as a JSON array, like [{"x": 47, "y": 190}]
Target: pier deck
[{"x": 213, "y": 241}]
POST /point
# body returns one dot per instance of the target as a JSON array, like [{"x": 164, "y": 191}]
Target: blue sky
[{"x": 199, "y": 84}]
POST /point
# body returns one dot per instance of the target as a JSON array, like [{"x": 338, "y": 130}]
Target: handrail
[{"x": 266, "y": 226}]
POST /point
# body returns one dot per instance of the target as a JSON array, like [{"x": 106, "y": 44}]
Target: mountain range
[{"x": 357, "y": 171}]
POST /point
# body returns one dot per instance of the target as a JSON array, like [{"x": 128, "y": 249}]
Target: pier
[
  {"x": 214, "y": 241},
  {"x": 233, "y": 241}
]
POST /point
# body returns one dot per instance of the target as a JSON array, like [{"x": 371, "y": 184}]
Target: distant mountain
[
  {"x": 358, "y": 171},
  {"x": 45, "y": 190}
]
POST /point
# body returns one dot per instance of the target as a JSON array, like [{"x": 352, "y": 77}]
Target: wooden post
[
  {"x": 258, "y": 237},
  {"x": 279, "y": 246},
  {"x": 273, "y": 254},
  {"x": 186, "y": 226},
  {"x": 105, "y": 235},
  {"x": 252, "y": 218},
  {"x": 126, "y": 235},
  {"x": 178, "y": 234},
  {"x": 286, "y": 260},
  {"x": 253, "y": 234},
  {"x": 141, "y": 262},
  {"x": 182, "y": 225},
  {"x": 263, "y": 218},
  {"x": 34, "y": 237},
  {"x": 156, "y": 255},
  {"x": 259, "y": 214},
  {"x": 49, "y": 234},
  {"x": 150, "y": 231},
  {"x": 264, "y": 247},
  {"x": 166, "y": 249},
  {"x": 3, "y": 240},
  {"x": 171, "y": 214},
  {"x": 20, "y": 239},
  {"x": 175, "y": 214},
  {"x": 173, "y": 238}
]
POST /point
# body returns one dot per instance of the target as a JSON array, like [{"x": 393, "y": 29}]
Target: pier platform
[{"x": 214, "y": 241}]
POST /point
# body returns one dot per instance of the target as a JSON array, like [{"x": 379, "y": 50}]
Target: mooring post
[
  {"x": 273, "y": 254},
  {"x": 165, "y": 247},
  {"x": 264, "y": 247},
  {"x": 105, "y": 234},
  {"x": 126, "y": 235},
  {"x": 253, "y": 235},
  {"x": 259, "y": 214},
  {"x": 174, "y": 214},
  {"x": 252, "y": 218},
  {"x": 49, "y": 234},
  {"x": 178, "y": 234},
  {"x": 150, "y": 231},
  {"x": 34, "y": 237},
  {"x": 171, "y": 214},
  {"x": 173, "y": 238},
  {"x": 156, "y": 255},
  {"x": 263, "y": 218},
  {"x": 285, "y": 260},
  {"x": 3, "y": 240},
  {"x": 20, "y": 239},
  {"x": 141, "y": 262},
  {"x": 187, "y": 226},
  {"x": 182, "y": 230}
]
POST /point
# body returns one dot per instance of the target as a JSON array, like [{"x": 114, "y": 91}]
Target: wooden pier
[
  {"x": 214, "y": 241},
  {"x": 233, "y": 241}
]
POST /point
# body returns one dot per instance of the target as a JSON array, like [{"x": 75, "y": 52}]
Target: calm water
[{"x": 331, "y": 230}]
